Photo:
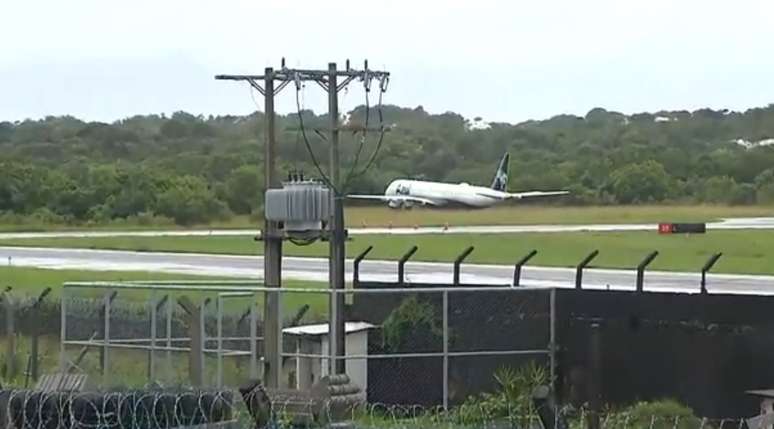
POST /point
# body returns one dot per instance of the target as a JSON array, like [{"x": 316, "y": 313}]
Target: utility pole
[
  {"x": 273, "y": 235},
  {"x": 337, "y": 335},
  {"x": 272, "y": 249}
]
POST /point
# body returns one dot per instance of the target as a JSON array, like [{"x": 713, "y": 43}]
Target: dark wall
[
  {"x": 490, "y": 321},
  {"x": 703, "y": 350}
]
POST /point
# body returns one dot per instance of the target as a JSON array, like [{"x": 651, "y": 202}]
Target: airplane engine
[{"x": 398, "y": 204}]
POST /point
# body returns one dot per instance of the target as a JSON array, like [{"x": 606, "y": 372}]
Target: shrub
[{"x": 512, "y": 400}]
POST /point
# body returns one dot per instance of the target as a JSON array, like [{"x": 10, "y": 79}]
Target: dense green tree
[
  {"x": 188, "y": 200},
  {"x": 244, "y": 189},
  {"x": 639, "y": 183},
  {"x": 195, "y": 168},
  {"x": 720, "y": 189},
  {"x": 764, "y": 184}
]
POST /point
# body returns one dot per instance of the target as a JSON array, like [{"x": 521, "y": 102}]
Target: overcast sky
[{"x": 503, "y": 60}]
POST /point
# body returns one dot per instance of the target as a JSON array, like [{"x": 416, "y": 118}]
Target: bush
[
  {"x": 188, "y": 201},
  {"x": 640, "y": 183},
  {"x": 661, "y": 414},
  {"x": 512, "y": 400},
  {"x": 411, "y": 327}
]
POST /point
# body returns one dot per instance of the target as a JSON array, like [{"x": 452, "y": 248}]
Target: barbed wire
[
  {"x": 146, "y": 409},
  {"x": 160, "y": 409}
]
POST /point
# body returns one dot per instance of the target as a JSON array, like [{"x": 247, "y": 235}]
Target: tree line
[{"x": 195, "y": 169}]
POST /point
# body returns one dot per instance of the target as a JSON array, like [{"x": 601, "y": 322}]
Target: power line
[
  {"x": 329, "y": 81},
  {"x": 309, "y": 149}
]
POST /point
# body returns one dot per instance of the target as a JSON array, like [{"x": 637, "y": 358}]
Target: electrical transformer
[{"x": 301, "y": 206}]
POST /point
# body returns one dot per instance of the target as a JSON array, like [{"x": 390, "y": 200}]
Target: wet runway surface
[
  {"x": 316, "y": 269},
  {"x": 725, "y": 224}
]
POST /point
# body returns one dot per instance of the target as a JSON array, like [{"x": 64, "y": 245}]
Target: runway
[
  {"x": 316, "y": 269},
  {"x": 758, "y": 223}
]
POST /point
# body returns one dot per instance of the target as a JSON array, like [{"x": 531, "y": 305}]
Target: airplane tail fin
[{"x": 500, "y": 182}]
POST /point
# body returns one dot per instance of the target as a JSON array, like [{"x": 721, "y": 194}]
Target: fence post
[
  {"x": 254, "y": 338},
  {"x": 402, "y": 262},
  {"x": 552, "y": 339},
  {"x": 445, "y": 349},
  {"x": 109, "y": 297},
  {"x": 356, "y": 266},
  {"x": 708, "y": 266},
  {"x": 517, "y": 268},
  {"x": 63, "y": 367},
  {"x": 595, "y": 375},
  {"x": 156, "y": 306},
  {"x": 641, "y": 269},
  {"x": 219, "y": 310},
  {"x": 202, "y": 338},
  {"x": 581, "y": 265},
  {"x": 170, "y": 313},
  {"x": 32, "y": 371},
  {"x": 10, "y": 332},
  {"x": 457, "y": 263},
  {"x": 195, "y": 363}
]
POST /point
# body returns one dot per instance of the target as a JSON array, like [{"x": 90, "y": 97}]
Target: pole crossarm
[
  {"x": 332, "y": 80},
  {"x": 257, "y": 86},
  {"x": 323, "y": 83},
  {"x": 285, "y": 76},
  {"x": 306, "y": 74},
  {"x": 344, "y": 83}
]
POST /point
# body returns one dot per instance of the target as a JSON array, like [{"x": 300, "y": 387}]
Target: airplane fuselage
[{"x": 443, "y": 194}]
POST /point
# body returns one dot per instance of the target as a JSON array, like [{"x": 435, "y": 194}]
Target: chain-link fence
[
  {"x": 431, "y": 346},
  {"x": 415, "y": 356},
  {"x": 167, "y": 333}
]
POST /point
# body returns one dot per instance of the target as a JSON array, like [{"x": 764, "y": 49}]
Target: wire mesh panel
[
  {"x": 439, "y": 346},
  {"x": 157, "y": 333}
]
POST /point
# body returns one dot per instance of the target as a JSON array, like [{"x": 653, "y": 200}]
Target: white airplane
[{"x": 407, "y": 193}]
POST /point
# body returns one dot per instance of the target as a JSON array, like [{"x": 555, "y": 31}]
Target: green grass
[
  {"x": 129, "y": 367},
  {"x": 32, "y": 281},
  {"x": 744, "y": 251},
  {"x": 511, "y": 214},
  {"x": 526, "y": 214}
]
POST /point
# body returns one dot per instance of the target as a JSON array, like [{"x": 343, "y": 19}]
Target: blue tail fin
[{"x": 500, "y": 182}]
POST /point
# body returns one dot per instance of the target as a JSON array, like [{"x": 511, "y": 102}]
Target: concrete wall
[
  {"x": 309, "y": 370},
  {"x": 357, "y": 370}
]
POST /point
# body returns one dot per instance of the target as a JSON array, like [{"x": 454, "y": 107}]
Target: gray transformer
[{"x": 301, "y": 206}]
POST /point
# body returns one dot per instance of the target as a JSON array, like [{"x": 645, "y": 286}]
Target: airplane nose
[{"x": 390, "y": 189}]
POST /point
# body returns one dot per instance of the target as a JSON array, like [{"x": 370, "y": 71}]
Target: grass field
[
  {"x": 128, "y": 367},
  {"x": 744, "y": 251},
  {"x": 534, "y": 214},
  {"x": 515, "y": 214},
  {"x": 32, "y": 281}
]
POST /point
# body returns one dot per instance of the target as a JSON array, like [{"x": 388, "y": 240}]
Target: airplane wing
[
  {"x": 529, "y": 194},
  {"x": 386, "y": 198}
]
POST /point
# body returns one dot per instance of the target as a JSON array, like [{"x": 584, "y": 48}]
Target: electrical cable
[
  {"x": 382, "y": 90},
  {"x": 361, "y": 145},
  {"x": 302, "y": 242},
  {"x": 252, "y": 96},
  {"x": 323, "y": 176}
]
